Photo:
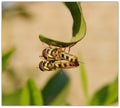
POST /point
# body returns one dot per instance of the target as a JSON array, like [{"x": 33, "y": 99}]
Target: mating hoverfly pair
[{"x": 57, "y": 58}]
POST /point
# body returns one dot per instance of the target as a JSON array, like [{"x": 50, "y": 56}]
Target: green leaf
[
  {"x": 11, "y": 99},
  {"x": 113, "y": 93},
  {"x": 56, "y": 89},
  {"x": 25, "y": 96},
  {"x": 107, "y": 95},
  {"x": 84, "y": 80},
  {"x": 6, "y": 58},
  {"x": 31, "y": 95},
  {"x": 55, "y": 42},
  {"x": 79, "y": 27},
  {"x": 100, "y": 96},
  {"x": 76, "y": 15},
  {"x": 61, "y": 98}
]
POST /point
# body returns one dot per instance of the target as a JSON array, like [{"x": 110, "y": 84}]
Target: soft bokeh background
[{"x": 99, "y": 48}]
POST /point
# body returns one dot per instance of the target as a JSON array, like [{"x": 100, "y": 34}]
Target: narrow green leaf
[
  {"x": 61, "y": 98},
  {"x": 100, "y": 96},
  {"x": 31, "y": 95},
  {"x": 6, "y": 58},
  {"x": 55, "y": 42},
  {"x": 78, "y": 29},
  {"x": 75, "y": 12},
  {"x": 11, "y": 99},
  {"x": 84, "y": 80},
  {"x": 54, "y": 87},
  {"x": 25, "y": 96},
  {"x": 113, "y": 93},
  {"x": 107, "y": 95}
]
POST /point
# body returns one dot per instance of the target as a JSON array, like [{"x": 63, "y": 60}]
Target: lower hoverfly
[
  {"x": 58, "y": 54},
  {"x": 53, "y": 65}
]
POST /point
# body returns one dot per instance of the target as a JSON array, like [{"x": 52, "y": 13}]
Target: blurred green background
[{"x": 93, "y": 83}]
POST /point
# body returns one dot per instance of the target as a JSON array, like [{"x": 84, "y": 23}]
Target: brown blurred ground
[{"x": 99, "y": 48}]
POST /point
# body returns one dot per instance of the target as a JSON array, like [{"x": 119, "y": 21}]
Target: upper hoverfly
[{"x": 58, "y": 54}]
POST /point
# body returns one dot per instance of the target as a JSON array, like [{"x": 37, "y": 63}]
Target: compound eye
[
  {"x": 41, "y": 65},
  {"x": 44, "y": 53}
]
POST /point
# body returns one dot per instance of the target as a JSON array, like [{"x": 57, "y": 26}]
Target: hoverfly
[
  {"x": 53, "y": 65},
  {"x": 58, "y": 54}
]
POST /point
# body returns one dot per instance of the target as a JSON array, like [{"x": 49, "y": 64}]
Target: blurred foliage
[
  {"x": 10, "y": 10},
  {"x": 11, "y": 99},
  {"x": 61, "y": 98},
  {"x": 54, "y": 92},
  {"x": 56, "y": 89},
  {"x": 107, "y": 95},
  {"x": 84, "y": 79},
  {"x": 31, "y": 95},
  {"x": 6, "y": 58}
]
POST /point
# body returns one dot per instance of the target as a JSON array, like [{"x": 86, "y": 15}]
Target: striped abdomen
[{"x": 53, "y": 65}]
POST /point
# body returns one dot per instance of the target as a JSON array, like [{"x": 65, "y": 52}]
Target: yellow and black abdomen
[{"x": 68, "y": 57}]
